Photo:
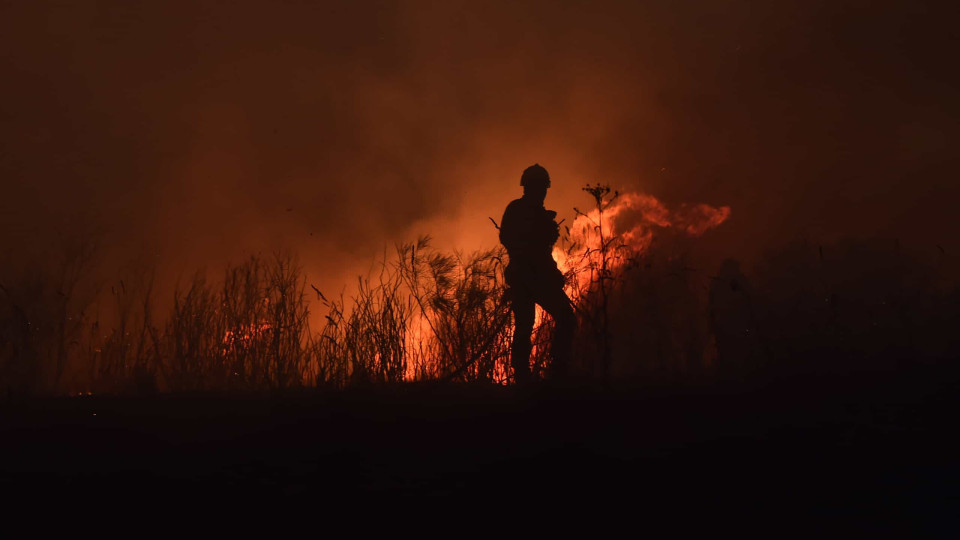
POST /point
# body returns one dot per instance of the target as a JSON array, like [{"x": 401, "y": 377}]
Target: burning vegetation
[
  {"x": 621, "y": 227},
  {"x": 425, "y": 315}
]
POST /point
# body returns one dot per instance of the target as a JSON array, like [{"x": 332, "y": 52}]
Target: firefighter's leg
[
  {"x": 557, "y": 305},
  {"x": 523, "y": 314}
]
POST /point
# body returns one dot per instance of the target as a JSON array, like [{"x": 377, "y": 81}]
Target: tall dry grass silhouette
[
  {"x": 461, "y": 310},
  {"x": 428, "y": 314}
]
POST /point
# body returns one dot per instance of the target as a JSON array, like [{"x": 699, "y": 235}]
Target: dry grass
[
  {"x": 462, "y": 316},
  {"x": 429, "y": 315}
]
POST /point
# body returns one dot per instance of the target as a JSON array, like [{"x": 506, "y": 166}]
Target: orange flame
[
  {"x": 632, "y": 219},
  {"x": 244, "y": 336}
]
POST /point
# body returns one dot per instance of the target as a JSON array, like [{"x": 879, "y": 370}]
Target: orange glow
[
  {"x": 244, "y": 337},
  {"x": 631, "y": 220},
  {"x": 417, "y": 334}
]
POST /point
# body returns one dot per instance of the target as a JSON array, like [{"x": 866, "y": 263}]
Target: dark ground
[{"x": 872, "y": 451}]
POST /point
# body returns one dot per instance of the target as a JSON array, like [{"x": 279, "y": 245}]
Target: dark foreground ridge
[{"x": 870, "y": 447}]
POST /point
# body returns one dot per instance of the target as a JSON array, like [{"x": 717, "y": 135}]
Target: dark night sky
[{"x": 185, "y": 133}]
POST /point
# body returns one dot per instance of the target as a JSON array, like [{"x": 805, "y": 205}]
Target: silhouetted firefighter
[{"x": 528, "y": 231}]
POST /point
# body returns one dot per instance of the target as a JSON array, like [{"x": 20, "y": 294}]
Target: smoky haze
[{"x": 197, "y": 135}]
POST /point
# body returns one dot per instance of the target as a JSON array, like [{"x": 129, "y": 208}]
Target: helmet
[{"x": 535, "y": 175}]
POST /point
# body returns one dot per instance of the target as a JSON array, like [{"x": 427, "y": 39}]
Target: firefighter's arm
[{"x": 508, "y": 234}]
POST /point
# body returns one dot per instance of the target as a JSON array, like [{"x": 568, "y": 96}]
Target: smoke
[{"x": 191, "y": 135}]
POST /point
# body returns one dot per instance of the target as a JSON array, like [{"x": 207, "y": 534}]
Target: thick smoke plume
[{"x": 182, "y": 135}]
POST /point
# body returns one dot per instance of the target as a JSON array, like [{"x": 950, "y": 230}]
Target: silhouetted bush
[{"x": 656, "y": 315}]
